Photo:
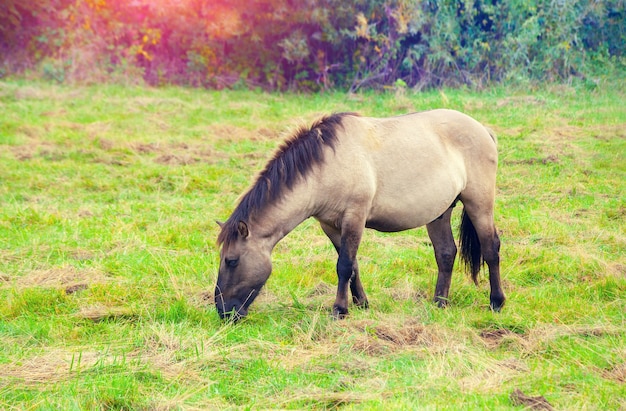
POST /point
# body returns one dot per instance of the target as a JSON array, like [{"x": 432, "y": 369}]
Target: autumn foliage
[{"x": 311, "y": 45}]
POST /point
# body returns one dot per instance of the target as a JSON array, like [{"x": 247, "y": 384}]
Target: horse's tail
[{"x": 471, "y": 254}]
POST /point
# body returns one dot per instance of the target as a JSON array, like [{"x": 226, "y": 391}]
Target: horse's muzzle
[{"x": 230, "y": 310}]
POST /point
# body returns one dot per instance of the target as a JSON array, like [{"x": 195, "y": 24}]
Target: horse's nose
[
  {"x": 230, "y": 310},
  {"x": 220, "y": 303}
]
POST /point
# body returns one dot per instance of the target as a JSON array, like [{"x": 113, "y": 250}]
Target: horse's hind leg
[
  {"x": 347, "y": 269},
  {"x": 440, "y": 234},
  {"x": 481, "y": 219}
]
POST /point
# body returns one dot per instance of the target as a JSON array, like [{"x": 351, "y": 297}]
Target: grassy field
[{"x": 108, "y": 197}]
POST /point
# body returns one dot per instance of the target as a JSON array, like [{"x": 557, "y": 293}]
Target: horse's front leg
[
  {"x": 351, "y": 232},
  {"x": 356, "y": 287}
]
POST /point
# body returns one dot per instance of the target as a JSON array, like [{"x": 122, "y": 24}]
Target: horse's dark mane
[{"x": 295, "y": 158}]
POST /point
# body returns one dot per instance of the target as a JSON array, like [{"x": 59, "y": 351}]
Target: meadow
[{"x": 108, "y": 259}]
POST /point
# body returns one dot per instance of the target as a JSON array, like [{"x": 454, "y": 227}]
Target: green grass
[{"x": 108, "y": 197}]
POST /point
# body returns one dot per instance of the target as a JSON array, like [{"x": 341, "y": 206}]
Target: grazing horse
[{"x": 351, "y": 172}]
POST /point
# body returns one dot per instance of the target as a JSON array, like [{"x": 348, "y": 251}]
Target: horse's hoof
[
  {"x": 361, "y": 303},
  {"x": 441, "y": 302},
  {"x": 496, "y": 304},
  {"x": 339, "y": 313}
]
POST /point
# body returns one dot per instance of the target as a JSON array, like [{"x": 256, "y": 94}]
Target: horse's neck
[{"x": 278, "y": 219}]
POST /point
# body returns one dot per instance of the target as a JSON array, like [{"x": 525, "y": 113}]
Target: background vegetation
[
  {"x": 313, "y": 44},
  {"x": 108, "y": 196}
]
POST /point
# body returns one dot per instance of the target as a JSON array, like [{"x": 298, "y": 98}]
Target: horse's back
[
  {"x": 458, "y": 131},
  {"x": 408, "y": 170},
  {"x": 429, "y": 140}
]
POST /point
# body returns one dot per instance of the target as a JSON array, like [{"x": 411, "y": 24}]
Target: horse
[{"x": 351, "y": 172}]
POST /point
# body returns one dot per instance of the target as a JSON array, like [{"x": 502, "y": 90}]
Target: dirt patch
[
  {"x": 561, "y": 143},
  {"x": 616, "y": 373},
  {"x": 517, "y": 101},
  {"x": 227, "y": 132},
  {"x": 22, "y": 153},
  {"x": 33, "y": 148},
  {"x": 79, "y": 254},
  {"x": 608, "y": 132},
  {"x": 518, "y": 398},
  {"x": 325, "y": 399},
  {"x": 108, "y": 151},
  {"x": 179, "y": 154},
  {"x": 537, "y": 337},
  {"x": 374, "y": 338},
  {"x": 144, "y": 148},
  {"x": 494, "y": 338},
  {"x": 104, "y": 143},
  {"x": 75, "y": 288},
  {"x": 550, "y": 159},
  {"x": 176, "y": 160},
  {"x": 565, "y": 134},
  {"x": 32, "y": 132},
  {"x": 206, "y": 298},
  {"x": 542, "y": 336},
  {"x": 616, "y": 269},
  {"x": 410, "y": 335}
]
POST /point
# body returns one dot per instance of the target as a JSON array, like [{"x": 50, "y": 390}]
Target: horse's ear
[
  {"x": 242, "y": 227},
  {"x": 221, "y": 224}
]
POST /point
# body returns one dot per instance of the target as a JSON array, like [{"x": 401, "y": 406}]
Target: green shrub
[{"x": 312, "y": 45}]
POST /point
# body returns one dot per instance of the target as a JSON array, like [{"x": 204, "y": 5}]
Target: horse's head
[{"x": 245, "y": 266}]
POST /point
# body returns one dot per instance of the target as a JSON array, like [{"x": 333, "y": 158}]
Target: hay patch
[
  {"x": 51, "y": 367},
  {"x": 178, "y": 154},
  {"x": 494, "y": 375},
  {"x": 100, "y": 312},
  {"x": 375, "y": 338},
  {"x": 231, "y": 133},
  {"x": 321, "y": 289},
  {"x": 518, "y": 398},
  {"x": 616, "y": 373},
  {"x": 520, "y": 101},
  {"x": 66, "y": 277},
  {"x": 494, "y": 338}
]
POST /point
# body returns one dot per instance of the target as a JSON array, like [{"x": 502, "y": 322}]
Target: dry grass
[
  {"x": 52, "y": 367},
  {"x": 67, "y": 278},
  {"x": 109, "y": 264}
]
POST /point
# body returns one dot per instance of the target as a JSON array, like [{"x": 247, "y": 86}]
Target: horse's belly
[
  {"x": 400, "y": 220},
  {"x": 389, "y": 226},
  {"x": 405, "y": 209}
]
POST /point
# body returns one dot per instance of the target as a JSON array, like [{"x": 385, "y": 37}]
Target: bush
[{"x": 313, "y": 45}]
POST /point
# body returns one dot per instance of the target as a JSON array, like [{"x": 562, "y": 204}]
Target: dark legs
[
  {"x": 346, "y": 243},
  {"x": 440, "y": 234},
  {"x": 491, "y": 255},
  {"x": 490, "y": 249}
]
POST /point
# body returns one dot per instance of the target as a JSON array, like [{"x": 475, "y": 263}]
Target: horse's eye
[{"x": 231, "y": 262}]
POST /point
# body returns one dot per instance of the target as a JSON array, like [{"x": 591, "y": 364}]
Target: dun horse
[{"x": 351, "y": 172}]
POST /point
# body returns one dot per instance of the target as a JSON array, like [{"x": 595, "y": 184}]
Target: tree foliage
[{"x": 312, "y": 44}]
